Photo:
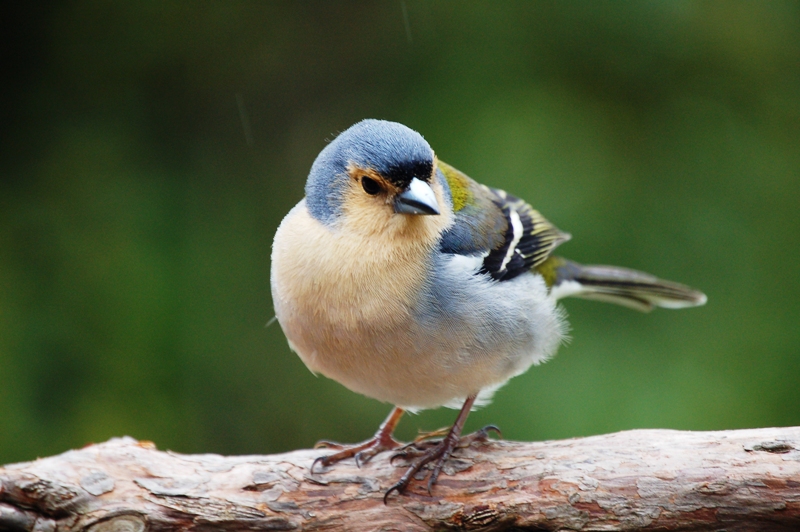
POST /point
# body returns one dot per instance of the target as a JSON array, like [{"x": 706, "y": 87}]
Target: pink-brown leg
[
  {"x": 364, "y": 451},
  {"x": 438, "y": 451}
]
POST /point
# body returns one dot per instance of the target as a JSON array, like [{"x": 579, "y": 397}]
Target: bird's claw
[
  {"x": 405, "y": 453},
  {"x": 362, "y": 457},
  {"x": 320, "y": 460},
  {"x": 413, "y": 449},
  {"x": 438, "y": 452},
  {"x": 423, "y": 442},
  {"x": 480, "y": 436},
  {"x": 361, "y": 452}
]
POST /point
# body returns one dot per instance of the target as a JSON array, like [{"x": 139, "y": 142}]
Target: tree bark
[{"x": 635, "y": 480}]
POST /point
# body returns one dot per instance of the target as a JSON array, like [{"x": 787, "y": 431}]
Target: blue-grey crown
[{"x": 395, "y": 151}]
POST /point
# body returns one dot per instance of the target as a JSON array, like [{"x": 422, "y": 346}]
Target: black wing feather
[{"x": 528, "y": 241}]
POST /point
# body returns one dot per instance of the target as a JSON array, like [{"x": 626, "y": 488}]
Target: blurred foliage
[{"x": 150, "y": 149}]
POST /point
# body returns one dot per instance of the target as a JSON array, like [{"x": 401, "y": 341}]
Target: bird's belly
[
  {"x": 437, "y": 351},
  {"x": 382, "y": 356},
  {"x": 404, "y": 365}
]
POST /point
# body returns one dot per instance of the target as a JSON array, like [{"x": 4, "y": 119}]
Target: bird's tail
[{"x": 630, "y": 288}]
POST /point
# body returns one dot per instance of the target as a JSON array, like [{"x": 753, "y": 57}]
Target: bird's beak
[{"x": 418, "y": 198}]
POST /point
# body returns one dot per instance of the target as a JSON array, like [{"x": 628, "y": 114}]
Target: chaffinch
[{"x": 406, "y": 281}]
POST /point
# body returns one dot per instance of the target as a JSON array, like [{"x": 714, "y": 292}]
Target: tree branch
[{"x": 636, "y": 480}]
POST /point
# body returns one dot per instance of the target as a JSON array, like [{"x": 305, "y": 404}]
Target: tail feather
[{"x": 630, "y": 288}]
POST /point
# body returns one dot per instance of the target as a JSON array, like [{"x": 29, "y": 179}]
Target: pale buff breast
[{"x": 344, "y": 296}]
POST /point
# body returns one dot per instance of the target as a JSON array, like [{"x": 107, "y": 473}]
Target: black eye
[{"x": 370, "y": 186}]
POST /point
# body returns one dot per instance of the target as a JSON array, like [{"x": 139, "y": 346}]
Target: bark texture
[{"x": 636, "y": 480}]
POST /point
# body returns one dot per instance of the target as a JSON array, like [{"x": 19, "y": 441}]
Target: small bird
[{"x": 404, "y": 280}]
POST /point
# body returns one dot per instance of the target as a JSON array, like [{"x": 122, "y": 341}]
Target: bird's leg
[
  {"x": 364, "y": 451},
  {"x": 439, "y": 451}
]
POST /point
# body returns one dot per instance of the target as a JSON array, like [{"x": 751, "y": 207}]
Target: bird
[{"x": 405, "y": 280}]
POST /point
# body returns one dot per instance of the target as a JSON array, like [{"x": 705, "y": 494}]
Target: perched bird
[{"x": 406, "y": 281}]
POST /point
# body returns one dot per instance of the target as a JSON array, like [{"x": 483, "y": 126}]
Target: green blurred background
[{"x": 150, "y": 149}]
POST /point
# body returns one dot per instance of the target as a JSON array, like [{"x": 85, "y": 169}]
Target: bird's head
[{"x": 378, "y": 176}]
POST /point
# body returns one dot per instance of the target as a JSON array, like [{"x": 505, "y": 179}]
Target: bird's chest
[{"x": 336, "y": 292}]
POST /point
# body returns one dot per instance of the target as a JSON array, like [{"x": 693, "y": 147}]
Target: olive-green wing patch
[{"x": 460, "y": 186}]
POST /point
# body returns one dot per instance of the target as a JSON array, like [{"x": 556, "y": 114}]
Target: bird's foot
[
  {"x": 426, "y": 440},
  {"x": 428, "y": 451},
  {"x": 362, "y": 452},
  {"x": 480, "y": 436}
]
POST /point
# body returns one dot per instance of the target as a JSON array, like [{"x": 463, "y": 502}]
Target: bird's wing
[{"x": 510, "y": 235}]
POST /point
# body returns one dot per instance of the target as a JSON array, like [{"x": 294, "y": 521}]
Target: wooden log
[{"x": 634, "y": 480}]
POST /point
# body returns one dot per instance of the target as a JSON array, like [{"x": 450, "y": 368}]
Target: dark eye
[{"x": 370, "y": 186}]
